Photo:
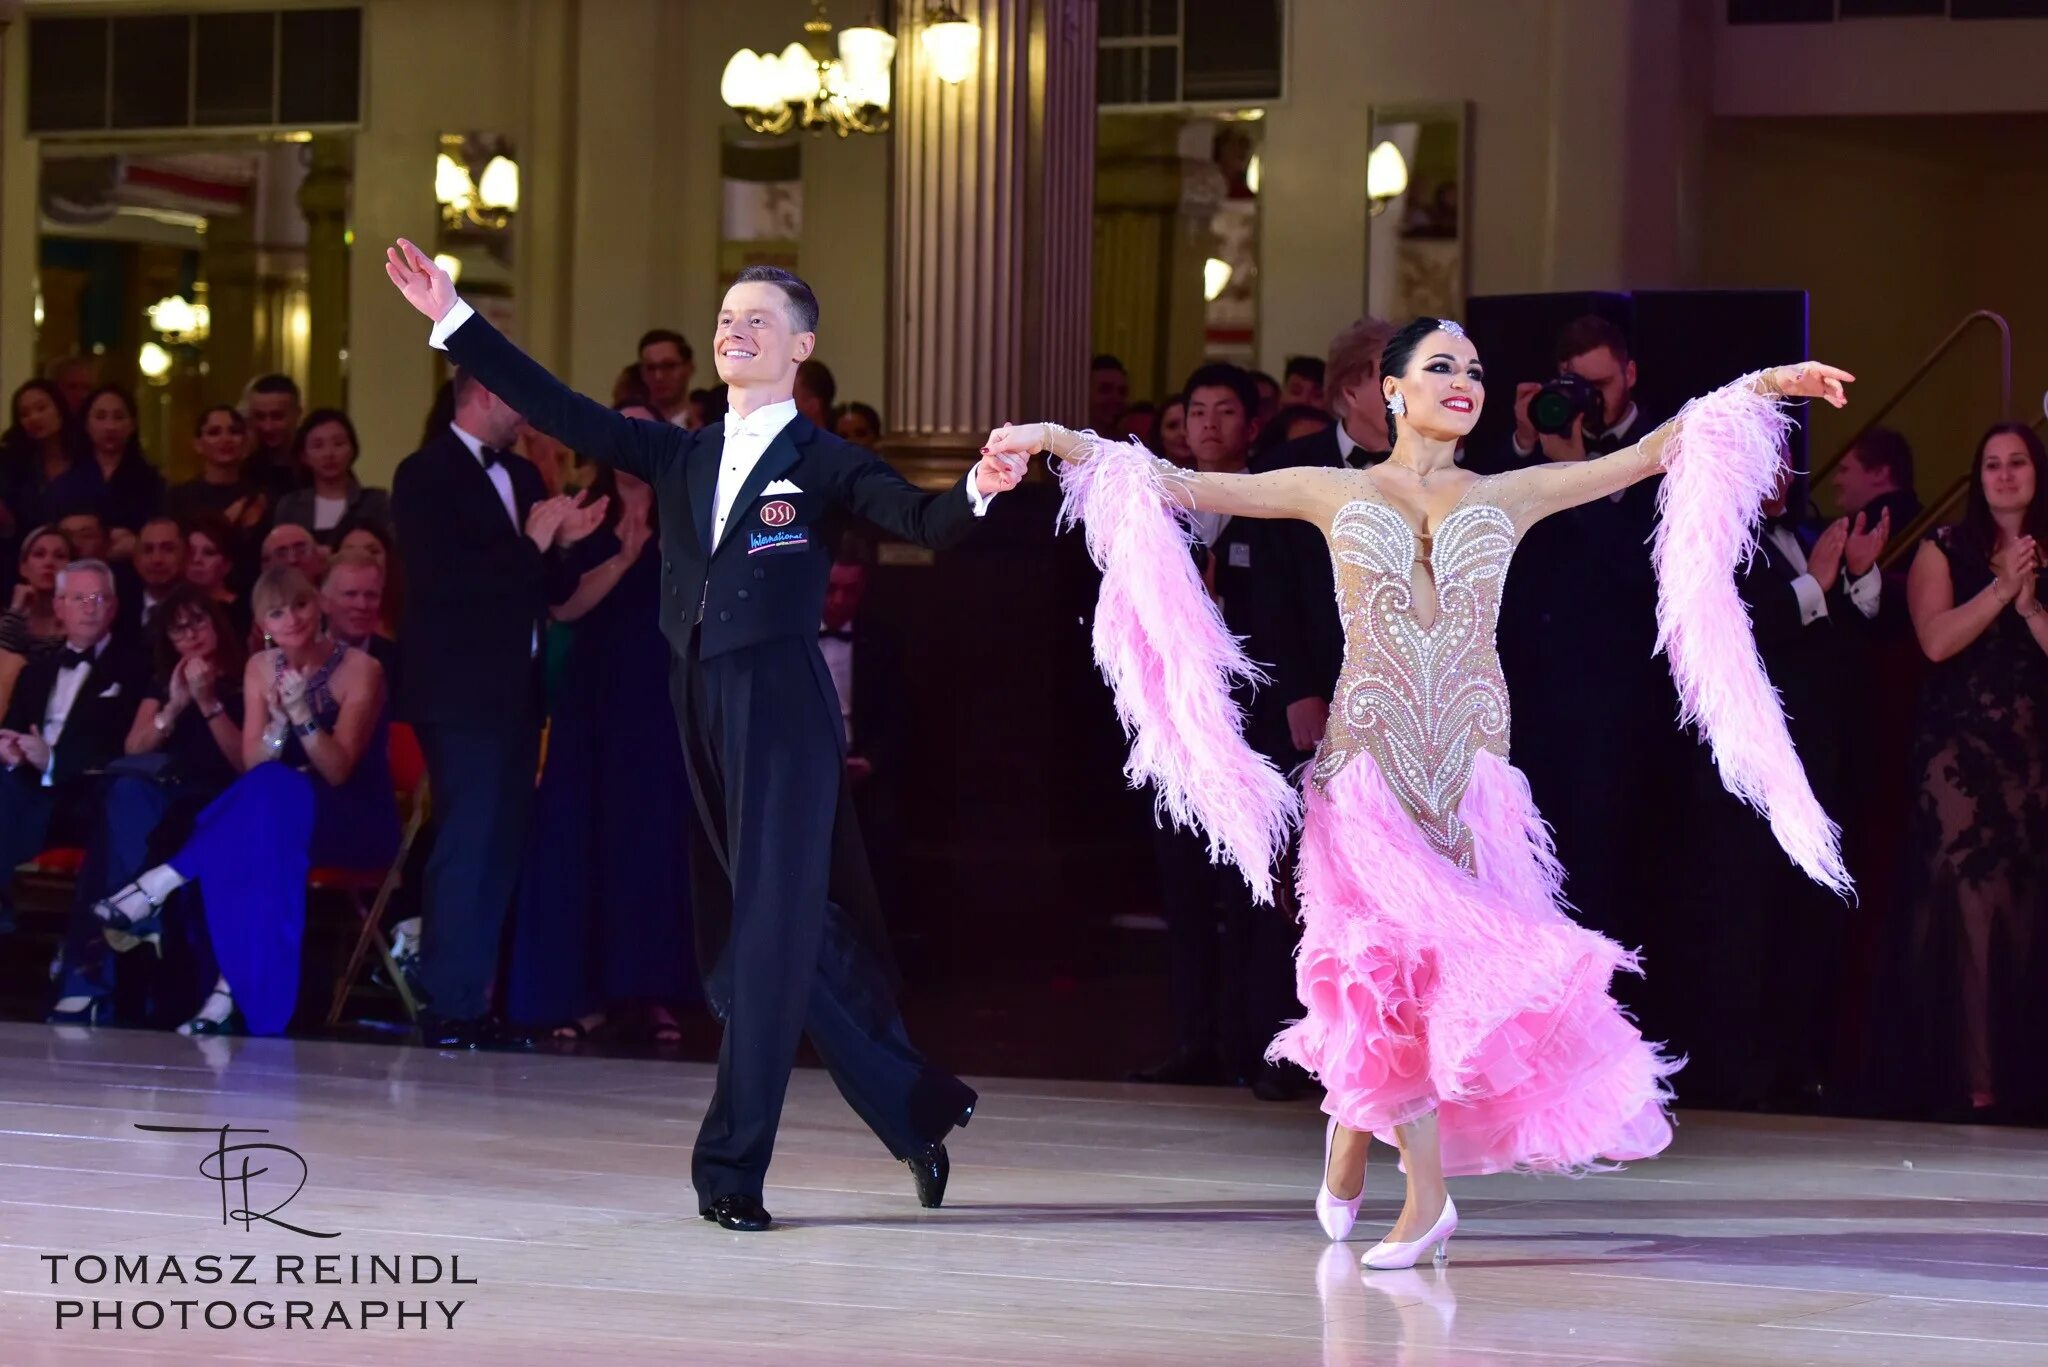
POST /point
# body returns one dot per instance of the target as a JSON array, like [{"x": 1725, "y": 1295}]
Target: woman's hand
[
  {"x": 291, "y": 697},
  {"x": 198, "y": 678},
  {"x": 1812, "y": 380},
  {"x": 180, "y": 692},
  {"x": 24, "y": 599},
  {"x": 2014, "y": 567},
  {"x": 1011, "y": 439}
]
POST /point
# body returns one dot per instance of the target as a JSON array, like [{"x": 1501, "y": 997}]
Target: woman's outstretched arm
[
  {"x": 1307, "y": 493},
  {"x": 1531, "y": 494}
]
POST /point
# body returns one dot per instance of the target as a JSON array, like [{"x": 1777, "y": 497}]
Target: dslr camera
[{"x": 1563, "y": 398}]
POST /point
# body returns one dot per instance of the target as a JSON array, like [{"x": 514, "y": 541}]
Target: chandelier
[
  {"x": 813, "y": 85},
  {"x": 182, "y": 322},
  {"x": 488, "y": 200}
]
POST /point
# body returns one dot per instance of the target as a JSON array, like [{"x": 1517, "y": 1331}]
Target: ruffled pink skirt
[{"x": 1471, "y": 994}]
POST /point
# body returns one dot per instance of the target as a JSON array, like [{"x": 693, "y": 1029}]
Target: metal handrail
[
  {"x": 1895, "y": 550},
  {"x": 1955, "y": 334}
]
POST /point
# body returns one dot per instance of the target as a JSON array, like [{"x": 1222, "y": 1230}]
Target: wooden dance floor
[{"x": 1087, "y": 1223}]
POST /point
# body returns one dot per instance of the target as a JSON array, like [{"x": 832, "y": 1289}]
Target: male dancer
[{"x": 784, "y": 905}]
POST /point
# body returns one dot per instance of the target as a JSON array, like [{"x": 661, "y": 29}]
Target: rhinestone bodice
[{"x": 1422, "y": 701}]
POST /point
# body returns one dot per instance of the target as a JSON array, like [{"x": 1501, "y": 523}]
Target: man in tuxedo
[
  {"x": 1765, "y": 942},
  {"x": 157, "y": 567},
  {"x": 865, "y": 661},
  {"x": 1230, "y": 980},
  {"x": 1351, "y": 378},
  {"x": 789, "y": 929},
  {"x": 68, "y": 719},
  {"x": 479, "y": 539},
  {"x": 352, "y": 596}
]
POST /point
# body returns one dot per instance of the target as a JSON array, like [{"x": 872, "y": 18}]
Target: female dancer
[{"x": 1453, "y": 1008}]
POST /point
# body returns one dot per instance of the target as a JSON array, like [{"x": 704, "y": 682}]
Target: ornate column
[
  {"x": 990, "y": 265},
  {"x": 323, "y": 198},
  {"x": 232, "y": 298}
]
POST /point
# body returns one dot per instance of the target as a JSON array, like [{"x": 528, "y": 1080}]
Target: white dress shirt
[
  {"x": 838, "y": 655},
  {"x": 746, "y": 440},
  {"x": 1864, "y": 590},
  {"x": 63, "y": 696}
]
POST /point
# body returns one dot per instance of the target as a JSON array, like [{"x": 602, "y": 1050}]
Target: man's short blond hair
[{"x": 1354, "y": 356}]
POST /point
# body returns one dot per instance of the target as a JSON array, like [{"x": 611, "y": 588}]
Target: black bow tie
[
  {"x": 493, "y": 456},
  {"x": 835, "y": 633},
  {"x": 68, "y": 657}
]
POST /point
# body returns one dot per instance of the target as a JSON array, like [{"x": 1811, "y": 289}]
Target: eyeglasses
[
  {"x": 90, "y": 600},
  {"x": 189, "y": 627}
]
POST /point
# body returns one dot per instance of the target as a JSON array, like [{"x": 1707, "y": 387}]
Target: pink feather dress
[{"x": 1439, "y": 968}]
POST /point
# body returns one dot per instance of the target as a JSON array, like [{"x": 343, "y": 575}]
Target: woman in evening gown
[{"x": 1453, "y": 1007}]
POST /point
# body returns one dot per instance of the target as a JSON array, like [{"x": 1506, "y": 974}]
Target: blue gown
[
  {"x": 254, "y": 845},
  {"x": 602, "y": 914}
]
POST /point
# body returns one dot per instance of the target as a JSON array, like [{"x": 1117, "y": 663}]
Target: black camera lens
[{"x": 1562, "y": 399}]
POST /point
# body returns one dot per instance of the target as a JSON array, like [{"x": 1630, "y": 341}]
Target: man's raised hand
[{"x": 425, "y": 285}]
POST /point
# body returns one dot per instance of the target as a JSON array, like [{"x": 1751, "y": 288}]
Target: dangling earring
[
  {"x": 268, "y": 643},
  {"x": 1396, "y": 404}
]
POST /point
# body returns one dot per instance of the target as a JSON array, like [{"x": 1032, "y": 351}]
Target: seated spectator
[
  {"x": 1304, "y": 382},
  {"x": 117, "y": 482},
  {"x": 86, "y": 533},
  {"x": 860, "y": 424},
  {"x": 332, "y": 501},
  {"x": 816, "y": 392},
  {"x": 224, "y": 488},
  {"x": 183, "y": 750},
  {"x": 291, "y": 546},
  {"x": 375, "y": 546},
  {"x": 317, "y": 791},
  {"x": 69, "y": 717},
  {"x": 30, "y": 628},
  {"x": 157, "y": 567},
  {"x": 271, "y": 403},
  {"x": 210, "y": 569},
  {"x": 352, "y": 595},
  {"x": 41, "y": 443},
  {"x": 1291, "y": 423},
  {"x": 1173, "y": 432}
]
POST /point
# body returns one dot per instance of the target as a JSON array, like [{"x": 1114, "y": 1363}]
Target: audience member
[
  {"x": 271, "y": 403},
  {"x": 1109, "y": 393},
  {"x": 1294, "y": 422},
  {"x": 1173, "y": 432},
  {"x": 75, "y": 378},
  {"x": 1230, "y": 962},
  {"x": 602, "y": 927},
  {"x": 210, "y": 569},
  {"x": 860, "y": 424},
  {"x": 816, "y": 392},
  {"x": 157, "y": 567},
  {"x": 1359, "y": 436},
  {"x": 1966, "y": 1005},
  {"x": 183, "y": 749},
  {"x": 86, "y": 533},
  {"x": 291, "y": 546},
  {"x": 630, "y": 388},
  {"x": 224, "y": 488},
  {"x": 1136, "y": 423},
  {"x": 331, "y": 502},
  {"x": 352, "y": 596},
  {"x": 116, "y": 481},
  {"x": 30, "y": 626},
  {"x": 41, "y": 444},
  {"x": 68, "y": 718},
  {"x": 317, "y": 791},
  {"x": 709, "y": 405},
  {"x": 666, "y": 366},
  {"x": 1875, "y": 476},
  {"x": 1269, "y": 396},
  {"x": 1303, "y": 382},
  {"x": 375, "y": 546},
  {"x": 481, "y": 575}
]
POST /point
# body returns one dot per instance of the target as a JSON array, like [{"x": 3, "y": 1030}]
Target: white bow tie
[{"x": 759, "y": 425}]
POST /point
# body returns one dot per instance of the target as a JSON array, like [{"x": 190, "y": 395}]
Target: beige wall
[
  {"x": 1880, "y": 66},
  {"x": 1586, "y": 138}
]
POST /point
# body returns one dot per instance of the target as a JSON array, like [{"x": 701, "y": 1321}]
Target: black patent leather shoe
[
  {"x": 496, "y": 1034},
  {"x": 446, "y": 1032},
  {"x": 739, "y": 1212},
  {"x": 929, "y": 1169}
]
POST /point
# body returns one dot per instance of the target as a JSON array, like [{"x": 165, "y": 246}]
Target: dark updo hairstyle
[{"x": 1399, "y": 351}]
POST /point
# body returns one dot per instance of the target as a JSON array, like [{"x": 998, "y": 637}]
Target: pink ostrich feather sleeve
[
  {"x": 1171, "y": 663},
  {"x": 1721, "y": 462}
]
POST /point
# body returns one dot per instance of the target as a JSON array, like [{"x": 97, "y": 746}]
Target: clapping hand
[
  {"x": 1813, "y": 380},
  {"x": 10, "y": 748},
  {"x": 34, "y": 750},
  {"x": 197, "y": 674},
  {"x": 1866, "y": 541},
  {"x": 291, "y": 697},
  {"x": 1824, "y": 561},
  {"x": 544, "y": 519},
  {"x": 425, "y": 285},
  {"x": 2015, "y": 567},
  {"x": 180, "y": 692},
  {"x": 580, "y": 521}
]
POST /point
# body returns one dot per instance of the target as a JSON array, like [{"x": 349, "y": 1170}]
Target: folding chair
[{"x": 409, "y": 778}]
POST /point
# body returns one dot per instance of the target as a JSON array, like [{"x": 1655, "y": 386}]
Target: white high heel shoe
[
  {"x": 1336, "y": 1215},
  {"x": 1388, "y": 1256}
]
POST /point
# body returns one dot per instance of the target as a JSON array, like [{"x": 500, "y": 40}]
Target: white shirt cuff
[
  {"x": 1520, "y": 450},
  {"x": 451, "y": 320},
  {"x": 1867, "y": 590},
  {"x": 1813, "y": 604},
  {"x": 975, "y": 498}
]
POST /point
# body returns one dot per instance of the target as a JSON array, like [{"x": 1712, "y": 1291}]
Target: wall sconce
[
  {"x": 952, "y": 43},
  {"x": 1386, "y": 176},
  {"x": 182, "y": 323},
  {"x": 486, "y": 201},
  {"x": 807, "y": 86},
  {"x": 1216, "y": 273},
  {"x": 452, "y": 264},
  {"x": 154, "y": 362},
  {"x": 1253, "y": 174}
]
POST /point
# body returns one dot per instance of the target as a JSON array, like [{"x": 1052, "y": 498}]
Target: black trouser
[
  {"x": 481, "y": 778},
  {"x": 775, "y": 858},
  {"x": 1230, "y": 973}
]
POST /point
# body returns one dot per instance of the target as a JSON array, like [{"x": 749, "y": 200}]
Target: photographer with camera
[{"x": 1577, "y": 638}]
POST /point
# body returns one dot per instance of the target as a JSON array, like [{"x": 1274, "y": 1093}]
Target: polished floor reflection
[{"x": 1087, "y": 1223}]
